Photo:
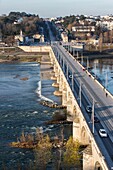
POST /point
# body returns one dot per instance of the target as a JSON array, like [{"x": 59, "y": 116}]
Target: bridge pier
[
  {"x": 76, "y": 129},
  {"x": 88, "y": 162},
  {"x": 64, "y": 95}
]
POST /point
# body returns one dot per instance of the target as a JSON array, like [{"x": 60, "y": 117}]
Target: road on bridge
[{"x": 91, "y": 91}]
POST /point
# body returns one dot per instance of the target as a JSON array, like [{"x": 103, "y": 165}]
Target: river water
[
  {"x": 20, "y": 108},
  {"x": 102, "y": 69}
]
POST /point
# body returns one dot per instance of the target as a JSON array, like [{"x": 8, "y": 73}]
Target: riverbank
[
  {"x": 2, "y": 61},
  {"x": 97, "y": 54},
  {"x": 17, "y": 55}
]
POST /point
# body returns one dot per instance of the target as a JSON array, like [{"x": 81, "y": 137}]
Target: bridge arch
[
  {"x": 98, "y": 166},
  {"x": 84, "y": 136}
]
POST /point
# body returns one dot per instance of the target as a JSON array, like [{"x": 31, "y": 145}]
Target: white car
[
  {"x": 70, "y": 76},
  {"x": 103, "y": 133}
]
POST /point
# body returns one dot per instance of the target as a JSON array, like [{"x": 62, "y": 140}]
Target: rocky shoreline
[{"x": 52, "y": 104}]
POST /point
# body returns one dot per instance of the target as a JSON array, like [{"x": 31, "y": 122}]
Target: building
[
  {"x": 42, "y": 38},
  {"x": 38, "y": 38},
  {"x": 83, "y": 30},
  {"x": 64, "y": 37},
  {"x": 105, "y": 24},
  {"x": 20, "y": 37}
]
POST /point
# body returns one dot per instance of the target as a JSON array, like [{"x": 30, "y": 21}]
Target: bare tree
[
  {"x": 111, "y": 36},
  {"x": 100, "y": 42}
]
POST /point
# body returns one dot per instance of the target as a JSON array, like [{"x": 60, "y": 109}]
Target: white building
[
  {"x": 42, "y": 38},
  {"x": 83, "y": 28},
  {"x": 19, "y": 37},
  {"x": 64, "y": 37},
  {"x": 107, "y": 24}
]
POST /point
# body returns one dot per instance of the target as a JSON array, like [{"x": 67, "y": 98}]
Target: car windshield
[
  {"x": 89, "y": 107},
  {"x": 103, "y": 131}
]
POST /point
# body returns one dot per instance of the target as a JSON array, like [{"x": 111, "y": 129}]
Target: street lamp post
[
  {"x": 67, "y": 71},
  {"x": 87, "y": 63},
  {"x": 77, "y": 54},
  {"x": 73, "y": 52},
  {"x": 68, "y": 48},
  {"x": 82, "y": 59},
  {"x": 106, "y": 80},
  {"x": 63, "y": 64},
  {"x": 93, "y": 107},
  {"x": 72, "y": 83},
  {"x": 95, "y": 69},
  {"x": 80, "y": 92}
]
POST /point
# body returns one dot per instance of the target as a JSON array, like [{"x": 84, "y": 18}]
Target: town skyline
[{"x": 58, "y": 8}]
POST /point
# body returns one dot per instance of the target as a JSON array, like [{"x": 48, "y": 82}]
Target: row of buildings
[{"x": 86, "y": 28}]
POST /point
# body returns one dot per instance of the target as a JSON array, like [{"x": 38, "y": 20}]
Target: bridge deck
[{"x": 103, "y": 103}]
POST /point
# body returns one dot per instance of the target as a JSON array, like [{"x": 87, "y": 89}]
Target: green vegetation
[
  {"x": 55, "y": 152},
  {"x": 71, "y": 156},
  {"x": 11, "y": 25},
  {"x": 69, "y": 20}
]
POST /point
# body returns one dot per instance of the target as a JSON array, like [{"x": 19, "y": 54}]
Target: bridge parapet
[{"x": 35, "y": 48}]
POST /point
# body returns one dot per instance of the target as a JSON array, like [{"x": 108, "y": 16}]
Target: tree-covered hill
[{"x": 11, "y": 25}]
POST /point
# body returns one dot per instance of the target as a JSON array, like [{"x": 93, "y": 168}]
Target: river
[
  {"x": 102, "y": 69},
  {"x": 20, "y": 110}
]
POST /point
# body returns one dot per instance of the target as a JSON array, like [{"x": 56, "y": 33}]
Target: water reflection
[{"x": 102, "y": 69}]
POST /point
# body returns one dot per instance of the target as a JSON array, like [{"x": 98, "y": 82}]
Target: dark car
[
  {"x": 89, "y": 109},
  {"x": 96, "y": 120}
]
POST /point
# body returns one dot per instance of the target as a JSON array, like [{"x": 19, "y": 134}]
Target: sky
[{"x": 56, "y": 8}]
